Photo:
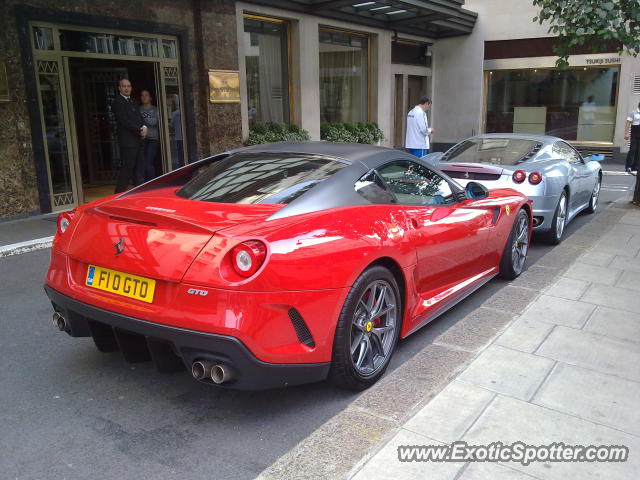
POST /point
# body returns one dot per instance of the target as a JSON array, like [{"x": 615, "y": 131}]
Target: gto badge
[
  {"x": 195, "y": 291},
  {"x": 119, "y": 246}
]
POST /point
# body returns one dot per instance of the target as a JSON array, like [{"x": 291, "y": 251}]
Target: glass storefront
[
  {"x": 267, "y": 64},
  {"x": 344, "y": 76},
  {"x": 577, "y": 104}
]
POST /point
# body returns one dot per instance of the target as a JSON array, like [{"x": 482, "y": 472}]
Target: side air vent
[
  {"x": 302, "y": 331},
  {"x": 533, "y": 151}
]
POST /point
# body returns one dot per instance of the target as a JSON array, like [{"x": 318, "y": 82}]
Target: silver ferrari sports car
[{"x": 552, "y": 173}]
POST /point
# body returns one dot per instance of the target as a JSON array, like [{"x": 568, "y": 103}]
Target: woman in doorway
[{"x": 151, "y": 143}]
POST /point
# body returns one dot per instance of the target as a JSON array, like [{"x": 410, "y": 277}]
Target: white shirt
[
  {"x": 634, "y": 117},
  {"x": 417, "y": 129}
]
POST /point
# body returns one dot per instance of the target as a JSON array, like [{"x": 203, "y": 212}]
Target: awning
[{"x": 431, "y": 18}]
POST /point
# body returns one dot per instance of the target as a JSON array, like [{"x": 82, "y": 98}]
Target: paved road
[{"x": 67, "y": 411}]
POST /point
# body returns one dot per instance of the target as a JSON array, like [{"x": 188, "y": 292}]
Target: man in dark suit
[{"x": 131, "y": 132}]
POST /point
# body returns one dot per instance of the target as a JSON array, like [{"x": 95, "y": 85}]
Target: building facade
[
  {"x": 217, "y": 68},
  {"x": 502, "y": 78}
]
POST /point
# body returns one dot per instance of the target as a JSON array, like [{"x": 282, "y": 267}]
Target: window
[
  {"x": 577, "y": 104},
  {"x": 267, "y": 66},
  {"x": 411, "y": 53},
  {"x": 169, "y": 49},
  {"x": 373, "y": 188},
  {"x": 42, "y": 38},
  {"x": 344, "y": 77},
  {"x": 567, "y": 152},
  {"x": 259, "y": 178},
  {"x": 494, "y": 151},
  {"x": 413, "y": 184},
  {"x": 106, "y": 43}
]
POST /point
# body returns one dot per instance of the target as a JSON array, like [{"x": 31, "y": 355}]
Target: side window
[
  {"x": 371, "y": 187},
  {"x": 574, "y": 155},
  {"x": 566, "y": 152},
  {"x": 413, "y": 184}
]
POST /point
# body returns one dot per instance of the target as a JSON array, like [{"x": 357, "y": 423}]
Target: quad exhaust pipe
[
  {"x": 60, "y": 322},
  {"x": 218, "y": 373}
]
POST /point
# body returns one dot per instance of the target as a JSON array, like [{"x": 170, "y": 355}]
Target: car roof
[
  {"x": 545, "y": 139},
  {"x": 337, "y": 190},
  {"x": 369, "y": 155}
]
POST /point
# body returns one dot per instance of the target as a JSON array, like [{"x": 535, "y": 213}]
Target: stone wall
[
  {"x": 18, "y": 189},
  {"x": 212, "y": 43}
]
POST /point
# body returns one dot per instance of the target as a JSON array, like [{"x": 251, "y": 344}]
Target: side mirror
[
  {"x": 596, "y": 157},
  {"x": 476, "y": 191}
]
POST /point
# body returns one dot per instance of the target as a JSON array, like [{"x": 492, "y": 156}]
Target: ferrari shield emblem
[
  {"x": 119, "y": 246},
  {"x": 507, "y": 209}
]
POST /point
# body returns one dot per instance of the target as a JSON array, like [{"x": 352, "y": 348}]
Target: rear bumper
[
  {"x": 173, "y": 348},
  {"x": 545, "y": 208}
]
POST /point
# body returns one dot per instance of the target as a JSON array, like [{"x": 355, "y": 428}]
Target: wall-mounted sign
[
  {"x": 4, "y": 83},
  {"x": 224, "y": 86},
  {"x": 602, "y": 61}
]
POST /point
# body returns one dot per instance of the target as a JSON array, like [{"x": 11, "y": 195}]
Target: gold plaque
[{"x": 224, "y": 86}]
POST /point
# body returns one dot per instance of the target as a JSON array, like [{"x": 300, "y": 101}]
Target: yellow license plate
[{"x": 120, "y": 283}]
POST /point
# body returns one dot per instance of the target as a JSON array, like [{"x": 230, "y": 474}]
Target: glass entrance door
[
  {"x": 55, "y": 126},
  {"x": 77, "y": 72},
  {"x": 98, "y": 151}
]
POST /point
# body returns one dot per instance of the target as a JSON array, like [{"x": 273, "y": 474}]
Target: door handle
[{"x": 414, "y": 223}]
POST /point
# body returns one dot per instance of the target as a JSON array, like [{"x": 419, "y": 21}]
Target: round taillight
[
  {"x": 519, "y": 176},
  {"x": 535, "y": 178},
  {"x": 64, "y": 220},
  {"x": 248, "y": 257}
]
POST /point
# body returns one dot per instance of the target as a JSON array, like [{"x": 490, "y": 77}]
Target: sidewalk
[{"x": 565, "y": 370}]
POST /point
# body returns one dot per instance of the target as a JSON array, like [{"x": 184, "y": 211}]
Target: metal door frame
[{"x": 62, "y": 59}]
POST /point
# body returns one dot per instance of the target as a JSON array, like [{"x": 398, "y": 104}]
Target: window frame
[
  {"x": 287, "y": 24},
  {"x": 355, "y": 33},
  {"x": 564, "y": 144}
]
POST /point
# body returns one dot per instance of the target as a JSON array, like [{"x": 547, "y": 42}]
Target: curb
[{"x": 27, "y": 246}]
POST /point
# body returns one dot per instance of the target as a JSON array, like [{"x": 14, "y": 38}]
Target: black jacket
[{"x": 129, "y": 121}]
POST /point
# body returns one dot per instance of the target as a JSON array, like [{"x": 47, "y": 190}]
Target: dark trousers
[
  {"x": 146, "y": 170},
  {"x": 634, "y": 149},
  {"x": 131, "y": 157}
]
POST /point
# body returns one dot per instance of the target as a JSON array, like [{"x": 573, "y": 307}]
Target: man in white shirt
[
  {"x": 418, "y": 131},
  {"x": 632, "y": 130}
]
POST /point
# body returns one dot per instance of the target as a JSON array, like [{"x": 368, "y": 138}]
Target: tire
[
  {"x": 365, "y": 340},
  {"x": 515, "y": 251},
  {"x": 593, "y": 203},
  {"x": 559, "y": 222}
]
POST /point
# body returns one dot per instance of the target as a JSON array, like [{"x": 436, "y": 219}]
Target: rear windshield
[
  {"x": 259, "y": 178},
  {"x": 496, "y": 151}
]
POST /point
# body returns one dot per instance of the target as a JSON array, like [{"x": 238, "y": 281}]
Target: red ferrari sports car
[{"x": 280, "y": 264}]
